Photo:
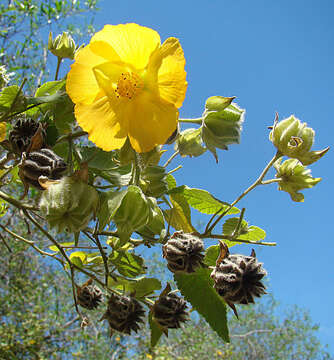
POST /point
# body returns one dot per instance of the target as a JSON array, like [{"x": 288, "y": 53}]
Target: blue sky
[{"x": 274, "y": 56}]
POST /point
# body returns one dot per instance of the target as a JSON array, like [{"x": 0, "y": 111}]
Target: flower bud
[
  {"x": 189, "y": 143},
  {"x": 222, "y": 122},
  {"x": 294, "y": 177},
  {"x": 63, "y": 46},
  {"x": 69, "y": 205},
  {"x": 294, "y": 139},
  {"x": 156, "y": 222}
]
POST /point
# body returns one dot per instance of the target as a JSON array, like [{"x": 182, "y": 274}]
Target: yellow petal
[
  {"x": 132, "y": 43},
  {"x": 81, "y": 84},
  {"x": 3, "y": 127},
  {"x": 102, "y": 124},
  {"x": 166, "y": 67},
  {"x": 151, "y": 122}
]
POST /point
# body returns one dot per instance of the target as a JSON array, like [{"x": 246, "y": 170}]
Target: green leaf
[
  {"x": 156, "y": 331},
  {"x": 141, "y": 287},
  {"x": 211, "y": 255},
  {"x": 49, "y": 88},
  {"x": 205, "y": 202},
  {"x": 96, "y": 158},
  {"x": 197, "y": 288},
  {"x": 110, "y": 202},
  {"x": 54, "y": 247},
  {"x": 246, "y": 232},
  {"x": 179, "y": 216},
  {"x": 127, "y": 264},
  {"x": 7, "y": 96},
  {"x": 119, "y": 176},
  {"x": 78, "y": 258}
]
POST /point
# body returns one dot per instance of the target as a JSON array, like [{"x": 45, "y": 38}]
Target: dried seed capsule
[
  {"x": 43, "y": 162},
  {"x": 123, "y": 314},
  {"x": 89, "y": 296},
  {"x": 22, "y": 133},
  {"x": 237, "y": 278},
  {"x": 170, "y": 311},
  {"x": 183, "y": 252}
]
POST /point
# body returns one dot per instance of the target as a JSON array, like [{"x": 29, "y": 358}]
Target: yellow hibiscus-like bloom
[{"x": 125, "y": 83}]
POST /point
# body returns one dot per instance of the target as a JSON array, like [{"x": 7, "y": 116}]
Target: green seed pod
[
  {"x": 132, "y": 213},
  {"x": 69, "y": 205},
  {"x": 294, "y": 177},
  {"x": 153, "y": 181},
  {"x": 222, "y": 123},
  {"x": 189, "y": 143},
  {"x": 294, "y": 139}
]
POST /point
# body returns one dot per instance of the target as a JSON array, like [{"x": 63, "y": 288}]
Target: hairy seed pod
[
  {"x": 170, "y": 311},
  {"x": 124, "y": 314},
  {"x": 183, "y": 252},
  {"x": 22, "y": 133},
  {"x": 69, "y": 205},
  {"x": 89, "y": 296},
  {"x": 237, "y": 278}
]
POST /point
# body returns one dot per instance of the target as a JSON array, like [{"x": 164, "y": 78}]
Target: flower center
[{"x": 128, "y": 85}]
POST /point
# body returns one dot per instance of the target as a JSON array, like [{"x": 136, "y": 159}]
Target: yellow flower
[{"x": 125, "y": 83}]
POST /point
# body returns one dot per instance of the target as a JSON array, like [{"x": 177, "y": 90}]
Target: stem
[
  {"x": 58, "y": 66},
  {"x": 30, "y": 243},
  {"x": 71, "y": 136},
  {"x": 171, "y": 158},
  {"x": 16, "y": 203},
  {"x": 257, "y": 182},
  {"x": 193, "y": 121},
  {"x": 271, "y": 181},
  {"x": 230, "y": 238},
  {"x": 176, "y": 169}
]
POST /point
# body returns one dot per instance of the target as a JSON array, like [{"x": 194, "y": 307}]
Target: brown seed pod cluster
[
  {"x": 89, "y": 296},
  {"x": 169, "y": 311},
  {"x": 183, "y": 252},
  {"x": 237, "y": 278},
  {"x": 124, "y": 314}
]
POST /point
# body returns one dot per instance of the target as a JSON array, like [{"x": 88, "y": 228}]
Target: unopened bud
[{"x": 63, "y": 46}]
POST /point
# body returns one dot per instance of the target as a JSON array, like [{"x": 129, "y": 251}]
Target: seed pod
[
  {"x": 123, "y": 314},
  {"x": 89, "y": 296},
  {"x": 69, "y": 205},
  {"x": 237, "y": 278},
  {"x": 169, "y": 311},
  {"x": 43, "y": 162},
  {"x": 183, "y": 252},
  {"x": 153, "y": 181},
  {"x": 22, "y": 133},
  {"x": 294, "y": 139}
]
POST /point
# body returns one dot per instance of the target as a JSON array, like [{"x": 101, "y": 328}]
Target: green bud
[
  {"x": 294, "y": 139},
  {"x": 132, "y": 213},
  {"x": 69, "y": 205},
  {"x": 156, "y": 221},
  {"x": 189, "y": 143},
  {"x": 63, "y": 46},
  {"x": 222, "y": 123},
  {"x": 153, "y": 181},
  {"x": 294, "y": 177}
]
